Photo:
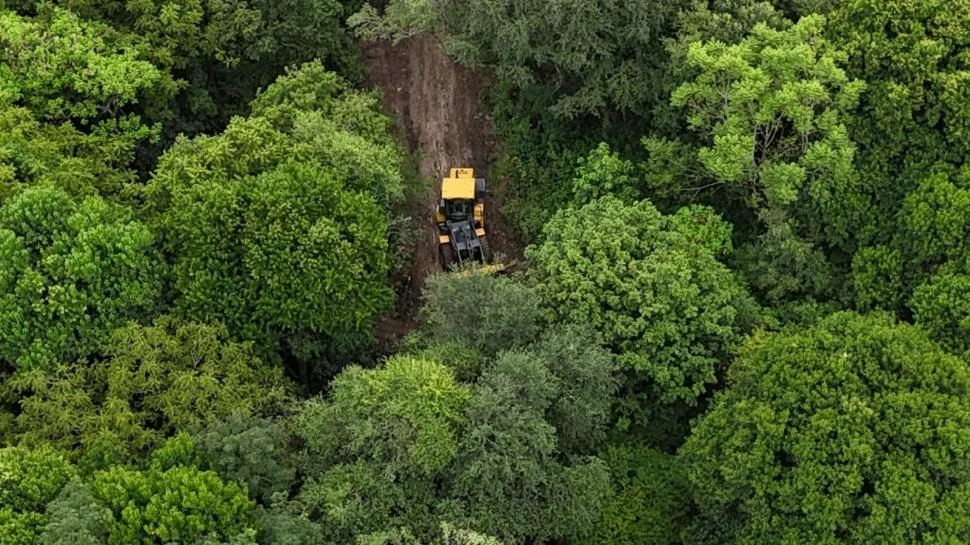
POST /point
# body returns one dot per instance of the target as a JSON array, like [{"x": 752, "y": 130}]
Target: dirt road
[{"x": 441, "y": 107}]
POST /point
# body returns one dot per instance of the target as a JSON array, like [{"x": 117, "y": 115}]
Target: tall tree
[
  {"x": 660, "y": 300},
  {"x": 649, "y": 501},
  {"x": 914, "y": 112},
  {"x": 174, "y": 505},
  {"x": 65, "y": 92},
  {"x": 484, "y": 312},
  {"x": 378, "y": 448},
  {"x": 152, "y": 383},
  {"x": 851, "y": 431},
  {"x": 70, "y": 272},
  {"x": 214, "y": 56},
  {"x": 604, "y": 55},
  {"x": 29, "y": 480},
  {"x": 510, "y": 478},
  {"x": 278, "y": 227},
  {"x": 771, "y": 111}
]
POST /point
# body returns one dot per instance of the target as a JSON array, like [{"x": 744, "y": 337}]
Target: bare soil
[{"x": 441, "y": 109}]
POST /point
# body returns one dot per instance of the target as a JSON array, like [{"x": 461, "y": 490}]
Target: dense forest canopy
[{"x": 741, "y": 313}]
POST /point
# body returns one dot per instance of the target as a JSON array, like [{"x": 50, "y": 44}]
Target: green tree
[
  {"x": 650, "y": 498},
  {"x": 278, "y": 226},
  {"x": 153, "y": 383},
  {"x": 65, "y": 92},
  {"x": 941, "y": 306},
  {"x": 771, "y": 112},
  {"x": 396, "y": 21},
  {"x": 75, "y": 517},
  {"x": 613, "y": 58},
  {"x": 63, "y": 69},
  {"x": 178, "y": 505},
  {"x": 585, "y": 377},
  {"x": 484, "y": 312},
  {"x": 662, "y": 302},
  {"x": 931, "y": 233},
  {"x": 914, "y": 113},
  {"x": 877, "y": 276},
  {"x": 450, "y": 535},
  {"x": 934, "y": 223},
  {"x": 604, "y": 172},
  {"x": 850, "y": 431},
  {"x": 510, "y": 479},
  {"x": 214, "y": 56},
  {"x": 29, "y": 480},
  {"x": 722, "y": 21},
  {"x": 249, "y": 449},
  {"x": 70, "y": 272},
  {"x": 377, "y": 448}
]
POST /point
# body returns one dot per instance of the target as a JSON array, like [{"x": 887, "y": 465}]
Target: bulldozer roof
[{"x": 458, "y": 188}]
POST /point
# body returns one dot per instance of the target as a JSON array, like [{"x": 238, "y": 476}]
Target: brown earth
[{"x": 440, "y": 107}]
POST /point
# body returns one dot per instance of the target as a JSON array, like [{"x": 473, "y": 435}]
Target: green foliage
[
  {"x": 539, "y": 155},
  {"x": 34, "y": 153},
  {"x": 250, "y": 450},
  {"x": 394, "y": 536},
  {"x": 849, "y": 431},
  {"x": 941, "y": 306},
  {"x": 784, "y": 266},
  {"x": 725, "y": 21},
  {"x": 911, "y": 133},
  {"x": 286, "y": 524},
  {"x": 415, "y": 402},
  {"x": 770, "y": 107},
  {"x": 914, "y": 113},
  {"x": 702, "y": 225},
  {"x": 32, "y": 477},
  {"x": 662, "y": 303},
  {"x": 64, "y": 92},
  {"x": 70, "y": 272},
  {"x": 450, "y": 535},
  {"x": 465, "y": 362},
  {"x": 484, "y": 312},
  {"x": 877, "y": 276},
  {"x": 215, "y": 55},
  {"x": 179, "y": 505},
  {"x": 650, "y": 499},
  {"x": 601, "y": 173},
  {"x": 376, "y": 447},
  {"x": 770, "y": 111},
  {"x": 29, "y": 480},
  {"x": 510, "y": 481},
  {"x": 585, "y": 379},
  {"x": 75, "y": 518},
  {"x": 721, "y": 21},
  {"x": 460, "y": 536},
  {"x": 932, "y": 233},
  {"x": 275, "y": 227},
  {"x": 612, "y": 59},
  {"x": 399, "y": 20},
  {"x": 934, "y": 224},
  {"x": 63, "y": 69},
  {"x": 154, "y": 382}
]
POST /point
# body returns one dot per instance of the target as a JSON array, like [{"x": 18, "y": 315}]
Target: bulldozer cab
[{"x": 458, "y": 209}]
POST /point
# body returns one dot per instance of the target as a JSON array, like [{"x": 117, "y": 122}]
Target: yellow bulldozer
[{"x": 461, "y": 219}]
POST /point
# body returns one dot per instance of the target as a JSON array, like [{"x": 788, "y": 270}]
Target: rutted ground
[{"x": 441, "y": 107}]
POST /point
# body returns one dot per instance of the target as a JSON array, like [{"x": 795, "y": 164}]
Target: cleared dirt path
[{"x": 441, "y": 107}]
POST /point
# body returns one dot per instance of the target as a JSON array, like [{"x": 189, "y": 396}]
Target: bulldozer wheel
[
  {"x": 447, "y": 256},
  {"x": 486, "y": 253}
]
